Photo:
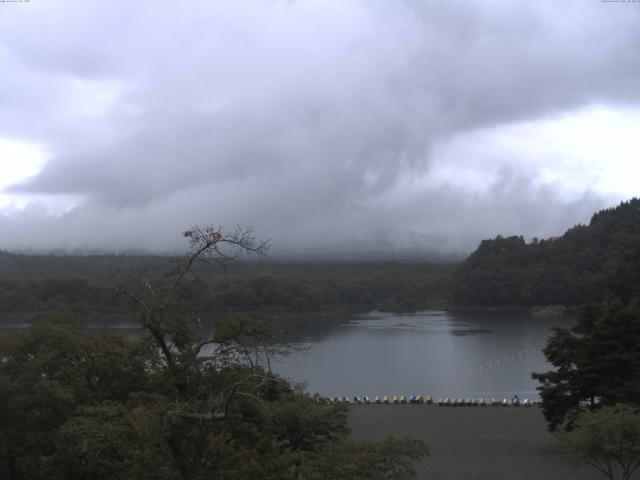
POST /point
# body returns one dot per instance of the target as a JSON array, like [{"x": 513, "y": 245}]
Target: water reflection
[
  {"x": 437, "y": 353},
  {"x": 454, "y": 354}
]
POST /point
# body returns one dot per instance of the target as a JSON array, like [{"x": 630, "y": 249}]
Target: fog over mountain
[{"x": 327, "y": 125}]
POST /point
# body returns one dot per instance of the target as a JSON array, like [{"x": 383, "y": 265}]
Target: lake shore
[
  {"x": 492, "y": 443},
  {"x": 533, "y": 310}
]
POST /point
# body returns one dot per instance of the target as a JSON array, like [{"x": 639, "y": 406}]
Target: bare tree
[
  {"x": 168, "y": 320},
  {"x": 239, "y": 343},
  {"x": 253, "y": 341}
]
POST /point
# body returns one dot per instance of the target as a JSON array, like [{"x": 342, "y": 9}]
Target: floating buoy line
[
  {"x": 499, "y": 362},
  {"x": 428, "y": 400},
  {"x": 452, "y": 401}
]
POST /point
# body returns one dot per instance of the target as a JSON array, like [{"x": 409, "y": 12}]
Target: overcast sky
[{"x": 327, "y": 125}]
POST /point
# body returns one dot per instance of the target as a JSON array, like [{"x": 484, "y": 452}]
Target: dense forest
[
  {"x": 570, "y": 270},
  {"x": 507, "y": 271},
  {"x": 75, "y": 405},
  {"x": 39, "y": 285}
]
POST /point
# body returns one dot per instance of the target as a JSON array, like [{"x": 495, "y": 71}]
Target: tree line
[
  {"x": 314, "y": 288},
  {"x": 569, "y": 270}
]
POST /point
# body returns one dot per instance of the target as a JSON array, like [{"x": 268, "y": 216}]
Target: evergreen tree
[{"x": 598, "y": 360}]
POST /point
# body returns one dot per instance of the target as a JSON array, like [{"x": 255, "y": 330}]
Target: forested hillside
[
  {"x": 570, "y": 270},
  {"x": 40, "y": 285}
]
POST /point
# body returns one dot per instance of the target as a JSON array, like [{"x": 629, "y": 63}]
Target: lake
[{"x": 437, "y": 353}]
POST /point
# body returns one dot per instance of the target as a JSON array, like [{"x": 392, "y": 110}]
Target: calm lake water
[
  {"x": 443, "y": 354},
  {"x": 437, "y": 353}
]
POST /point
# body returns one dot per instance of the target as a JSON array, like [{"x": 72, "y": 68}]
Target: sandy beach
[{"x": 473, "y": 443}]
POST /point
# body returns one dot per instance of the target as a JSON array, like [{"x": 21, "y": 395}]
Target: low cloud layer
[{"x": 320, "y": 123}]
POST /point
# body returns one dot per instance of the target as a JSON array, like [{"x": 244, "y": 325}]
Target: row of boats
[{"x": 443, "y": 402}]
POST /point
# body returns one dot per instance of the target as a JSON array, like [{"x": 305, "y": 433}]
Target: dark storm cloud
[{"x": 298, "y": 117}]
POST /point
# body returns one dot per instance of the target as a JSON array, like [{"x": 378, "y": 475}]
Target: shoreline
[{"x": 472, "y": 443}]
